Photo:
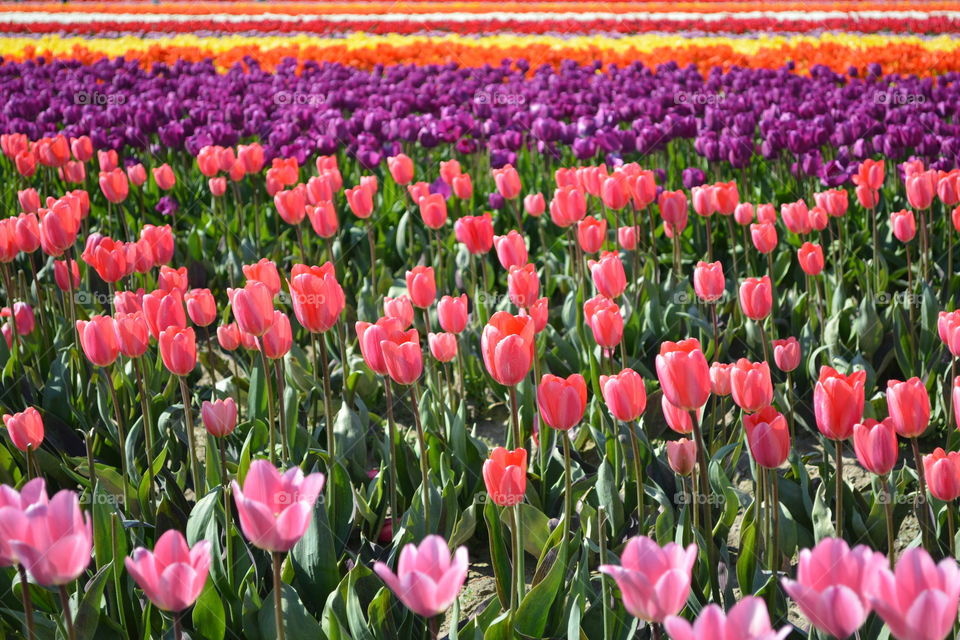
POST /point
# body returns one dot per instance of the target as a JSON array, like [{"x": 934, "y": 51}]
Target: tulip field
[{"x": 480, "y": 320}]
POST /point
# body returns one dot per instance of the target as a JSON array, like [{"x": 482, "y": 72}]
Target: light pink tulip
[
  {"x": 172, "y": 575},
  {"x": 428, "y": 578},
  {"x": 57, "y": 540},
  {"x": 275, "y": 509},
  {"x": 747, "y": 620},
  {"x": 918, "y": 600}
]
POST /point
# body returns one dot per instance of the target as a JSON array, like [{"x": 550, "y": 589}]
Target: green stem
[
  {"x": 424, "y": 456},
  {"x": 838, "y": 481},
  {"x": 147, "y": 428},
  {"x": 392, "y": 431},
  {"x": 638, "y": 467},
  {"x": 278, "y": 595},
  {"x": 198, "y": 488},
  {"x": 515, "y": 420},
  {"x": 27, "y": 601},
  {"x": 67, "y": 614},
  {"x": 271, "y": 430},
  {"x": 227, "y": 514},
  {"x": 888, "y": 513},
  {"x": 567, "y": 489}
]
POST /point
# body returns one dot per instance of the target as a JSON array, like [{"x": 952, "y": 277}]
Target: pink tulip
[
  {"x": 275, "y": 510},
  {"x": 764, "y": 237},
  {"x": 278, "y": 339},
  {"x": 163, "y": 309},
  {"x": 682, "y": 456},
  {"x": 370, "y": 336},
  {"x": 838, "y": 402},
  {"x": 746, "y": 620},
  {"x": 876, "y": 446},
  {"x": 810, "y": 257},
  {"x": 265, "y": 271},
  {"x": 401, "y": 168},
  {"x": 908, "y": 404},
  {"x": 12, "y": 523},
  {"x": 942, "y": 471},
  {"x": 178, "y": 349},
  {"x": 708, "y": 281},
  {"x": 768, "y": 437},
  {"x": 164, "y": 177},
  {"x": 904, "y": 225},
  {"x": 608, "y": 274},
  {"x": 421, "y": 286},
  {"x": 625, "y": 395},
  {"x": 534, "y": 204},
  {"x": 511, "y": 249},
  {"x": 98, "y": 338},
  {"x": 786, "y": 354},
  {"x": 523, "y": 285},
  {"x": 443, "y": 346},
  {"x": 756, "y": 297},
  {"x": 605, "y": 321},
  {"x": 253, "y": 307},
  {"x": 507, "y": 345},
  {"x": 25, "y": 428},
  {"x": 428, "y": 578},
  {"x": 317, "y": 297},
  {"x": 591, "y": 234},
  {"x": 452, "y": 313},
  {"x": 172, "y": 575},
  {"x": 400, "y": 308},
  {"x": 57, "y": 540},
  {"x": 684, "y": 374},
  {"x": 751, "y": 385},
  {"x": 507, "y": 181},
  {"x": 918, "y": 600},
  {"x": 834, "y": 583},
  {"x": 654, "y": 581},
  {"x": 475, "y": 233},
  {"x": 562, "y": 401},
  {"x": 403, "y": 357},
  {"x": 201, "y": 307},
  {"x": 720, "y": 379},
  {"x": 433, "y": 210},
  {"x": 219, "y": 416},
  {"x": 676, "y": 418}
]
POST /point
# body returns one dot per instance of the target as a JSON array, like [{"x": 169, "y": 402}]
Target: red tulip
[
  {"x": 449, "y": 169},
  {"x": 708, "y": 281},
  {"x": 421, "y": 286},
  {"x": 58, "y": 228},
  {"x": 82, "y": 148},
  {"x": 562, "y": 401},
  {"x": 291, "y": 204},
  {"x": 370, "y": 336},
  {"x": 523, "y": 285},
  {"x": 401, "y": 168},
  {"x": 73, "y": 172},
  {"x": 160, "y": 241},
  {"x": 178, "y": 349},
  {"x": 673, "y": 210},
  {"x": 452, "y": 313},
  {"x": 253, "y": 307},
  {"x": 909, "y": 406},
  {"x": 475, "y": 232},
  {"x": 838, "y": 402},
  {"x": 201, "y": 307},
  {"x": 676, "y": 418},
  {"x": 768, "y": 437},
  {"x": 540, "y": 312},
  {"x": 317, "y": 297},
  {"x": 904, "y": 225},
  {"x": 833, "y": 201},
  {"x": 875, "y": 444},
  {"x": 60, "y": 275},
  {"x": 360, "y": 201},
  {"x": 164, "y": 177},
  {"x": 568, "y": 206},
  {"x": 942, "y": 471},
  {"x": 29, "y": 200},
  {"x": 114, "y": 185},
  {"x": 323, "y": 218},
  {"x": 164, "y": 309},
  {"x": 443, "y": 346},
  {"x": 25, "y": 428},
  {"x": 921, "y": 188},
  {"x": 750, "y": 385},
  {"x": 107, "y": 257},
  {"x": 402, "y": 356},
  {"x": 766, "y": 213},
  {"x": 608, "y": 275},
  {"x": 507, "y": 345},
  {"x": 756, "y": 297},
  {"x": 684, "y": 374},
  {"x": 418, "y": 190},
  {"x": 625, "y": 395},
  {"x": 107, "y": 159},
  {"x": 98, "y": 338},
  {"x": 614, "y": 192},
  {"x": 278, "y": 339},
  {"x": 507, "y": 181},
  {"x": 433, "y": 210},
  {"x": 764, "y": 236},
  {"x": 810, "y": 257},
  {"x": 9, "y": 248},
  {"x": 603, "y": 317},
  {"x": 26, "y": 232},
  {"x": 511, "y": 249},
  {"x": 251, "y": 155},
  {"x": 133, "y": 333},
  {"x": 682, "y": 456},
  {"x": 591, "y": 234},
  {"x": 643, "y": 188},
  {"x": 505, "y": 475},
  {"x": 796, "y": 217},
  {"x": 264, "y": 271},
  {"x": 462, "y": 186},
  {"x": 169, "y": 279}
]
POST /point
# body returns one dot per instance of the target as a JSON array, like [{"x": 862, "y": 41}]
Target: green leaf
[
  {"x": 209, "y": 616},
  {"x": 533, "y": 615},
  {"x": 314, "y": 560},
  {"x": 88, "y": 612}
]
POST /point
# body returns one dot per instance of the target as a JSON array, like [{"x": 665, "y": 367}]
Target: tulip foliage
[{"x": 252, "y": 391}]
